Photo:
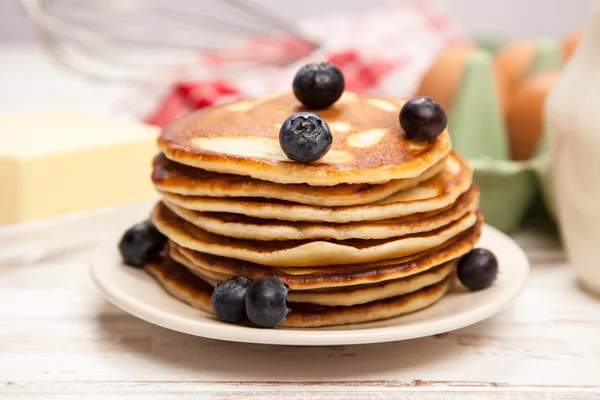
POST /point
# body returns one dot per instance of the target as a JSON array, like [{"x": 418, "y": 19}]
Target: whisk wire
[{"x": 116, "y": 39}]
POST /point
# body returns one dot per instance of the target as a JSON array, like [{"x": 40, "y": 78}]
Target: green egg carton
[
  {"x": 476, "y": 124},
  {"x": 491, "y": 44}
]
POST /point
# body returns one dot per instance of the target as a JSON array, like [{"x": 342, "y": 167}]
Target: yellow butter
[{"x": 62, "y": 162}]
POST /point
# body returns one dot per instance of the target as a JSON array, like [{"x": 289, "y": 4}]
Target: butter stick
[{"x": 57, "y": 163}]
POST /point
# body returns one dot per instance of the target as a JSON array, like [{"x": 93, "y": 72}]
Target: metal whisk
[{"x": 139, "y": 40}]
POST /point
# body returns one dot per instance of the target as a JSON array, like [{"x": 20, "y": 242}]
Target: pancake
[
  {"x": 302, "y": 253},
  {"x": 356, "y": 294},
  {"x": 305, "y": 315},
  {"x": 360, "y": 295},
  {"x": 240, "y": 226},
  {"x": 369, "y": 146},
  {"x": 437, "y": 193},
  {"x": 311, "y": 278},
  {"x": 191, "y": 289},
  {"x": 172, "y": 177}
]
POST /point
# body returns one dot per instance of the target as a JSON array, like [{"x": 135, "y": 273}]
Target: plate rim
[{"x": 132, "y": 305}]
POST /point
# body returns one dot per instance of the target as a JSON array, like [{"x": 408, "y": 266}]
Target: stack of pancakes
[{"x": 372, "y": 230}]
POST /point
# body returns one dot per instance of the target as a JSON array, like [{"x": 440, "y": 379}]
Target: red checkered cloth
[{"x": 385, "y": 51}]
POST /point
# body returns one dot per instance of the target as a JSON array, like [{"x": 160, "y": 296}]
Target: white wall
[
  {"x": 520, "y": 17},
  {"x": 511, "y": 17}
]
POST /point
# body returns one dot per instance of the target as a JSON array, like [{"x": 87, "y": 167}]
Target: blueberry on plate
[
  {"x": 141, "y": 243},
  {"x": 266, "y": 302},
  {"x": 477, "y": 269},
  {"x": 423, "y": 119},
  {"x": 227, "y": 299},
  {"x": 305, "y": 137},
  {"x": 318, "y": 86}
]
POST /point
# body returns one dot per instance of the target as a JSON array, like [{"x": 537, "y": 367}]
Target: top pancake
[
  {"x": 369, "y": 146},
  {"x": 172, "y": 177}
]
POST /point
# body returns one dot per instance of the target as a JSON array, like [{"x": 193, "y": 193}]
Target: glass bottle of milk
[{"x": 572, "y": 123}]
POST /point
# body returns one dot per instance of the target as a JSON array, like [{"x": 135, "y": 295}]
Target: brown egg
[
  {"x": 444, "y": 76},
  {"x": 513, "y": 62},
  {"x": 525, "y": 115},
  {"x": 570, "y": 43},
  {"x": 502, "y": 87}
]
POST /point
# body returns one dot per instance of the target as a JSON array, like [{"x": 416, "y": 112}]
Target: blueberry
[
  {"x": 423, "y": 119},
  {"x": 141, "y": 243},
  {"x": 305, "y": 137},
  {"x": 228, "y": 299},
  {"x": 477, "y": 269},
  {"x": 265, "y": 302},
  {"x": 318, "y": 86}
]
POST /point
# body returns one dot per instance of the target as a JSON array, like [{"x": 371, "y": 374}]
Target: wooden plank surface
[{"x": 59, "y": 339}]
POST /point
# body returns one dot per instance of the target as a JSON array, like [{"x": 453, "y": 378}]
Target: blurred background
[
  {"x": 23, "y": 68},
  {"x": 511, "y": 17},
  {"x": 151, "y": 61}
]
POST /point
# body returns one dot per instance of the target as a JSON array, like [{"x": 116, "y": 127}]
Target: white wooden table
[{"x": 60, "y": 339}]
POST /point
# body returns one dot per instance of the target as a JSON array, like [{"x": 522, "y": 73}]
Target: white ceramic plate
[{"x": 137, "y": 293}]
